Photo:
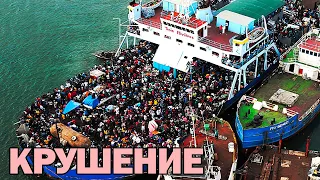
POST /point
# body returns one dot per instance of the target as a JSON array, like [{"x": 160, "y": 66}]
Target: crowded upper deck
[{"x": 139, "y": 94}]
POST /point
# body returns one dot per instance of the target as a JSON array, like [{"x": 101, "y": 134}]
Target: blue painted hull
[{"x": 259, "y": 136}]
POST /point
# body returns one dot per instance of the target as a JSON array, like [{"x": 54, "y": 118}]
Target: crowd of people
[{"x": 139, "y": 93}]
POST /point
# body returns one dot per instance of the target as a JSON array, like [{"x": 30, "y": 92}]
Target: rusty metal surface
[
  {"x": 225, "y": 158},
  {"x": 67, "y": 133},
  {"x": 288, "y": 164}
]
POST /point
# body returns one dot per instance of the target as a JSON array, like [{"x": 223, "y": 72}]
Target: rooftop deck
[
  {"x": 307, "y": 90},
  {"x": 214, "y": 38},
  {"x": 311, "y": 44},
  {"x": 217, "y": 40},
  {"x": 288, "y": 164},
  {"x": 225, "y": 158},
  {"x": 152, "y": 21},
  {"x": 193, "y": 21}
]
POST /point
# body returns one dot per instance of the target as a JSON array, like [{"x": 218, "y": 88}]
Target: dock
[{"x": 270, "y": 163}]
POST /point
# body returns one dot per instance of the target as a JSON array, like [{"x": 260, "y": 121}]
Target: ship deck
[
  {"x": 307, "y": 90},
  {"x": 267, "y": 116},
  {"x": 225, "y": 158},
  {"x": 214, "y": 38},
  {"x": 288, "y": 164}
]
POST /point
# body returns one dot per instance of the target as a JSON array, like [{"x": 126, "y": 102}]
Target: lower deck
[{"x": 307, "y": 90}]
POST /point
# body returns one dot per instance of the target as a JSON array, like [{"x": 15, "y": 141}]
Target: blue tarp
[
  {"x": 90, "y": 101},
  {"x": 70, "y": 106},
  {"x": 161, "y": 67}
]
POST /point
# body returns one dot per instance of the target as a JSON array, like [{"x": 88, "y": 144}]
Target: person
[
  {"x": 227, "y": 25},
  {"x": 223, "y": 29},
  {"x": 220, "y": 29}
]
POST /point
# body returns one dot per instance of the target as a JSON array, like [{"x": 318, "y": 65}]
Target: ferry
[
  {"x": 187, "y": 29},
  {"x": 287, "y": 101}
]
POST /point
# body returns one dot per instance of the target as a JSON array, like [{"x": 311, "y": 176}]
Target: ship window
[
  {"x": 215, "y": 53},
  {"x": 188, "y": 30},
  {"x": 165, "y": 23},
  {"x": 138, "y": 10},
  {"x": 156, "y": 33},
  {"x": 168, "y": 37},
  {"x": 144, "y": 29},
  {"x": 192, "y": 32},
  {"x": 178, "y": 27},
  {"x": 178, "y": 40},
  {"x": 303, "y": 51},
  {"x": 307, "y": 52},
  {"x": 189, "y": 44},
  {"x": 311, "y": 53},
  {"x": 184, "y": 29},
  {"x": 315, "y": 54},
  {"x": 203, "y": 49}
]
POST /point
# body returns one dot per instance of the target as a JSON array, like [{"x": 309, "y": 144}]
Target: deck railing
[
  {"x": 313, "y": 46},
  {"x": 310, "y": 110},
  {"x": 180, "y": 19},
  {"x": 215, "y": 44},
  {"x": 303, "y": 38},
  {"x": 270, "y": 106},
  {"x": 149, "y": 23}
]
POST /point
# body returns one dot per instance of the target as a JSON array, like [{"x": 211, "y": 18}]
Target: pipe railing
[
  {"x": 215, "y": 44},
  {"x": 149, "y": 23}
]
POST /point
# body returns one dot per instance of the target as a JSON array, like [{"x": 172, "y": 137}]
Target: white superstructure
[
  {"x": 184, "y": 32},
  {"x": 304, "y": 59}
]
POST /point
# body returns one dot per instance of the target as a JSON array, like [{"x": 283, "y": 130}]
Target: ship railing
[
  {"x": 180, "y": 19},
  {"x": 291, "y": 60},
  {"x": 251, "y": 99},
  {"x": 289, "y": 13},
  {"x": 270, "y": 106},
  {"x": 291, "y": 113},
  {"x": 303, "y": 38},
  {"x": 310, "y": 110},
  {"x": 313, "y": 46},
  {"x": 215, "y": 44},
  {"x": 149, "y": 23},
  {"x": 254, "y": 53}
]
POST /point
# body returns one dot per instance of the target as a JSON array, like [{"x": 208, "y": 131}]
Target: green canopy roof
[{"x": 253, "y": 8}]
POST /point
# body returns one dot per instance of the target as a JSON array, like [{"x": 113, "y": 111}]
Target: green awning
[{"x": 253, "y": 8}]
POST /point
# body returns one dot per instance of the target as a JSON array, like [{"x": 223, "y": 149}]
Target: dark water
[{"x": 45, "y": 42}]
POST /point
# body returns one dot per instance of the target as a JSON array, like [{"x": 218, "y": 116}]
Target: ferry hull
[{"x": 259, "y": 136}]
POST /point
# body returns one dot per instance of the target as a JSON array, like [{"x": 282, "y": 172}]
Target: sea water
[{"x": 43, "y": 43}]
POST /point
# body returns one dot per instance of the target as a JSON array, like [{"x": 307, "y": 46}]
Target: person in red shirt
[{"x": 220, "y": 29}]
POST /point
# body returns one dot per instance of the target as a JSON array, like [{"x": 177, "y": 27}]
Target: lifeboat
[{"x": 70, "y": 136}]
